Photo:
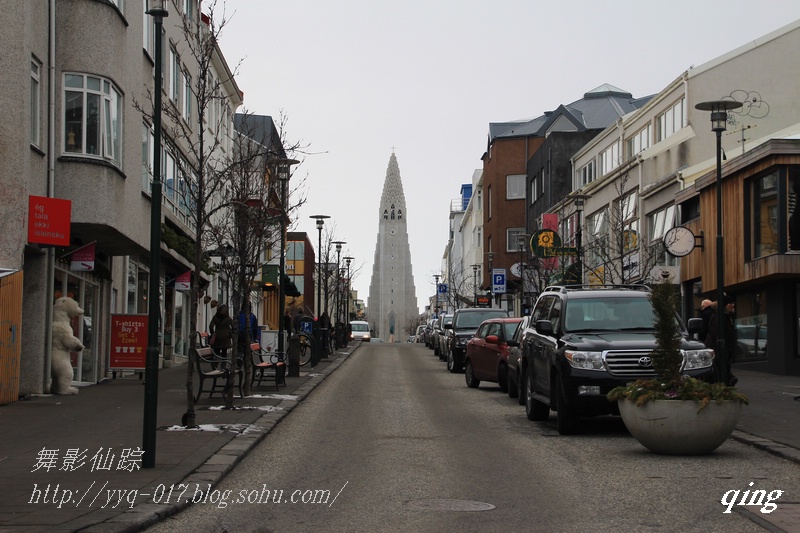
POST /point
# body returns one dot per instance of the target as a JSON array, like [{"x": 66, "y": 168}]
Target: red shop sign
[
  {"x": 48, "y": 220},
  {"x": 128, "y": 342}
]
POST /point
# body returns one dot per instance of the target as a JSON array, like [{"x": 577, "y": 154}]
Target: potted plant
[{"x": 671, "y": 413}]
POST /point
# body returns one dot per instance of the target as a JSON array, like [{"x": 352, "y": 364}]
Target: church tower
[{"x": 392, "y": 304}]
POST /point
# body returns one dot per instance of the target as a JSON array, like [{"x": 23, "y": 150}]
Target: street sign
[
  {"x": 498, "y": 281},
  {"x": 442, "y": 288}
]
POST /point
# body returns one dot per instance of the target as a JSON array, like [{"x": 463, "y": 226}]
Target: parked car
[
  {"x": 462, "y": 328},
  {"x": 486, "y": 358},
  {"x": 428, "y": 336},
  {"x": 420, "y": 335},
  {"x": 516, "y": 381},
  {"x": 437, "y": 331},
  {"x": 359, "y": 331},
  {"x": 751, "y": 342},
  {"x": 588, "y": 340},
  {"x": 439, "y": 347}
]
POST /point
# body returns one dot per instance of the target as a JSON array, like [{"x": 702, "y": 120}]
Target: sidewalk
[
  {"x": 101, "y": 422},
  {"x": 98, "y": 497}
]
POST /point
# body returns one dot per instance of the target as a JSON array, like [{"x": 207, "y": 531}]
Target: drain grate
[{"x": 452, "y": 505}]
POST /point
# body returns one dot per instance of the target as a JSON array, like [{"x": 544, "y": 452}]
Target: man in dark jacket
[
  {"x": 705, "y": 313},
  {"x": 729, "y": 332}
]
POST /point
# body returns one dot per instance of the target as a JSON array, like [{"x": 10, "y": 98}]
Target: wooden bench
[
  {"x": 210, "y": 367},
  {"x": 267, "y": 366}
]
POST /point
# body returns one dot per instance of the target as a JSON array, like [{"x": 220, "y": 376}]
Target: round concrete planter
[{"x": 675, "y": 427}]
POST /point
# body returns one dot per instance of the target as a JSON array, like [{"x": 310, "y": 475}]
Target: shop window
[
  {"x": 764, "y": 215},
  {"x": 792, "y": 214},
  {"x": 92, "y": 117},
  {"x": 751, "y": 327}
]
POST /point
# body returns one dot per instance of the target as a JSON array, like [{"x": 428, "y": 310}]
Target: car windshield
[
  {"x": 359, "y": 327},
  {"x": 609, "y": 313},
  {"x": 473, "y": 320}
]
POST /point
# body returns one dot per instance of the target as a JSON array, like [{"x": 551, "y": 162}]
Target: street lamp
[
  {"x": 284, "y": 173},
  {"x": 436, "y": 305},
  {"x": 318, "y": 332},
  {"x": 579, "y": 200},
  {"x": 490, "y": 255},
  {"x": 338, "y": 301},
  {"x": 719, "y": 117},
  {"x": 347, "y": 260},
  {"x": 475, "y": 268},
  {"x": 157, "y": 9}
]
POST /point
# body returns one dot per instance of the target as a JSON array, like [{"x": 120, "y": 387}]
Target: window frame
[
  {"x": 36, "y": 102},
  {"x": 108, "y": 101},
  {"x": 515, "y": 186},
  {"x": 512, "y": 235}
]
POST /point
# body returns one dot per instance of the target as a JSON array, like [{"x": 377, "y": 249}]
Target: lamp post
[
  {"x": 347, "y": 260},
  {"x": 157, "y": 9},
  {"x": 284, "y": 171},
  {"x": 338, "y": 302},
  {"x": 436, "y": 305},
  {"x": 317, "y": 331},
  {"x": 475, "y": 268},
  {"x": 719, "y": 117},
  {"x": 490, "y": 256},
  {"x": 522, "y": 240},
  {"x": 579, "y": 199}
]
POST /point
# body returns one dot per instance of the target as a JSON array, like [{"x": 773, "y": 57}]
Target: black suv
[
  {"x": 586, "y": 340},
  {"x": 463, "y": 327}
]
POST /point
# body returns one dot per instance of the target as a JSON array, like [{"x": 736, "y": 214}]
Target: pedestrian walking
[
  {"x": 248, "y": 322},
  {"x": 287, "y": 323},
  {"x": 729, "y": 336},
  {"x": 221, "y": 330},
  {"x": 705, "y": 313}
]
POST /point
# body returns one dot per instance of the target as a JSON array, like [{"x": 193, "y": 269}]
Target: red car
[{"x": 487, "y": 352}]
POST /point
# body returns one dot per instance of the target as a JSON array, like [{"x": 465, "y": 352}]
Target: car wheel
[
  {"x": 469, "y": 376},
  {"x": 436, "y": 350},
  {"x": 511, "y": 386},
  {"x": 566, "y": 415},
  {"x": 450, "y": 362},
  {"x": 502, "y": 378},
  {"x": 534, "y": 409}
]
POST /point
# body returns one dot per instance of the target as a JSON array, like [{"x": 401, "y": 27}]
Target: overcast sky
[{"x": 356, "y": 78}]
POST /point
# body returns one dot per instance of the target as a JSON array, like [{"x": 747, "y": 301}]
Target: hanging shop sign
[
  {"x": 48, "y": 220},
  {"x": 82, "y": 259}
]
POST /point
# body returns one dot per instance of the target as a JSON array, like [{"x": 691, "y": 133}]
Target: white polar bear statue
[{"x": 64, "y": 342}]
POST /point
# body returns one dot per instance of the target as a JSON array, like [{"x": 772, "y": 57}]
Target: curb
[{"x": 775, "y": 448}]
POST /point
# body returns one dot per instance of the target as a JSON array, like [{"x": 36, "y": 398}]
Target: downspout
[{"x": 51, "y": 149}]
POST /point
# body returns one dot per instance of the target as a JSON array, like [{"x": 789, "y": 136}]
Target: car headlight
[
  {"x": 585, "y": 360},
  {"x": 698, "y": 358},
  {"x": 462, "y": 341}
]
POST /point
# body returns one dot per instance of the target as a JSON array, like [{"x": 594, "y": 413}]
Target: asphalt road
[{"x": 393, "y": 442}]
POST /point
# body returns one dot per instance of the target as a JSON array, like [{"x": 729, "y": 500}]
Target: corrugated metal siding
[{"x": 10, "y": 336}]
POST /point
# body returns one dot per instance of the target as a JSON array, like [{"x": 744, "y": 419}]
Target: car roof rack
[{"x": 578, "y": 287}]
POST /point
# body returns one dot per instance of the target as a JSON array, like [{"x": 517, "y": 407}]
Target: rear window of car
[{"x": 474, "y": 319}]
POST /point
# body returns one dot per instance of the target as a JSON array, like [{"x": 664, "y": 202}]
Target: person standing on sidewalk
[
  {"x": 221, "y": 330},
  {"x": 729, "y": 332}
]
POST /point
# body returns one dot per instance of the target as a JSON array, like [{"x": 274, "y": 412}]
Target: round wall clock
[{"x": 679, "y": 241}]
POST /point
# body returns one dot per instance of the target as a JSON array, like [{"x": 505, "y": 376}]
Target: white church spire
[{"x": 392, "y": 304}]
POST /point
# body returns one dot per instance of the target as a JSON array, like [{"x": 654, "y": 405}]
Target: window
[
  {"x": 187, "y": 97},
  {"x": 534, "y": 189},
  {"x": 792, "y": 215},
  {"x": 515, "y": 187},
  {"x": 586, "y": 174},
  {"x": 658, "y": 224},
  {"x": 92, "y": 117},
  {"x": 765, "y": 214},
  {"x": 175, "y": 76},
  {"x": 513, "y": 236},
  {"x": 671, "y": 120},
  {"x": 609, "y": 159},
  {"x": 36, "y": 118},
  {"x": 148, "y": 30},
  {"x": 489, "y": 203},
  {"x": 630, "y": 222},
  {"x": 147, "y": 157},
  {"x": 640, "y": 140}
]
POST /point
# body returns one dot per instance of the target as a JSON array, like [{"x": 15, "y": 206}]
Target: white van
[{"x": 359, "y": 331}]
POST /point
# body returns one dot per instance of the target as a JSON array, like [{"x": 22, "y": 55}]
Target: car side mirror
[
  {"x": 492, "y": 339},
  {"x": 544, "y": 327},
  {"x": 448, "y": 326},
  {"x": 694, "y": 325}
]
